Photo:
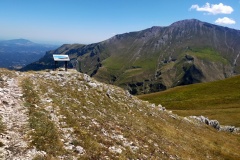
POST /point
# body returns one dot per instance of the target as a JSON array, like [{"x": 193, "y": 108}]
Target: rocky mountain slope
[
  {"x": 17, "y": 53},
  {"x": 186, "y": 52},
  {"x": 69, "y": 115}
]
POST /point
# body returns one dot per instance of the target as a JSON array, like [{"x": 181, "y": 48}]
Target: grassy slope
[
  {"x": 98, "y": 123},
  {"x": 131, "y": 62},
  {"x": 138, "y": 65},
  {"x": 140, "y": 131},
  {"x": 217, "y": 100},
  {"x": 207, "y": 54}
]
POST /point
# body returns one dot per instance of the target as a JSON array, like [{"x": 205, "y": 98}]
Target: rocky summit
[{"x": 69, "y": 115}]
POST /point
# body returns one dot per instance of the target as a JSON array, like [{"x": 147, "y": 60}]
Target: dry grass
[{"x": 44, "y": 133}]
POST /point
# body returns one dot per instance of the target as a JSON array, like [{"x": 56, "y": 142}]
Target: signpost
[{"x": 62, "y": 58}]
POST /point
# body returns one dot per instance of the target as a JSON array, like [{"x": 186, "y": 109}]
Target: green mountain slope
[
  {"x": 186, "y": 52},
  {"x": 217, "y": 100}
]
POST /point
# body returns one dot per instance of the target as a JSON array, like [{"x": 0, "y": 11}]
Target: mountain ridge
[{"x": 20, "y": 41}]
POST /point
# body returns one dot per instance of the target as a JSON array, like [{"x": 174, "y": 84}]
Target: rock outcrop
[{"x": 215, "y": 124}]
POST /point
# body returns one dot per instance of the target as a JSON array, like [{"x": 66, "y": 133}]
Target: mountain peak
[
  {"x": 17, "y": 42},
  {"x": 20, "y": 41},
  {"x": 186, "y": 22}
]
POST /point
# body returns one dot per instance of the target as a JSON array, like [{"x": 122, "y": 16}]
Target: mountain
[
  {"x": 154, "y": 59},
  {"x": 69, "y": 115},
  {"x": 17, "y": 53}
]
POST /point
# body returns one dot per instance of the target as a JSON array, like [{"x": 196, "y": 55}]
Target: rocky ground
[{"x": 14, "y": 117}]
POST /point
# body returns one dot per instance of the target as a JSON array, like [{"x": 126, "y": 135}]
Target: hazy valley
[{"x": 18, "y": 53}]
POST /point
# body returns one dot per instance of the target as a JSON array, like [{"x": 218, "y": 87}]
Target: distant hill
[
  {"x": 17, "y": 53},
  {"x": 154, "y": 59}
]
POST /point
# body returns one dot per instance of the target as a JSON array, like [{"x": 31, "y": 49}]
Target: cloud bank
[
  {"x": 213, "y": 8},
  {"x": 225, "y": 20}
]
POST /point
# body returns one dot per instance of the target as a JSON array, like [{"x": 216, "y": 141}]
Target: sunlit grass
[
  {"x": 217, "y": 100},
  {"x": 44, "y": 133},
  {"x": 207, "y": 54}
]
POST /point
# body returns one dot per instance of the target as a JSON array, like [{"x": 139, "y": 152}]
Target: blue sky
[{"x": 90, "y": 21}]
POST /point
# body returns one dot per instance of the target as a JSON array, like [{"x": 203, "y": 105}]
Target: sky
[{"x": 91, "y": 21}]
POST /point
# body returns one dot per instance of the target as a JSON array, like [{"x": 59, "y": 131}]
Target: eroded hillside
[{"x": 68, "y": 115}]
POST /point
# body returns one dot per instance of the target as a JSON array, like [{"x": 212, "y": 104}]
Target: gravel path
[{"x": 15, "y": 119}]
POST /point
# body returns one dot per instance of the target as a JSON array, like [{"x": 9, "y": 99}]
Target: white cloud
[
  {"x": 225, "y": 20},
  {"x": 213, "y": 8}
]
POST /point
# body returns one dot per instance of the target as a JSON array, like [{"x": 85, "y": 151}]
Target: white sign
[{"x": 59, "y": 57}]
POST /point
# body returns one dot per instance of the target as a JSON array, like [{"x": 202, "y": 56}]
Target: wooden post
[
  {"x": 66, "y": 65},
  {"x": 56, "y": 63}
]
